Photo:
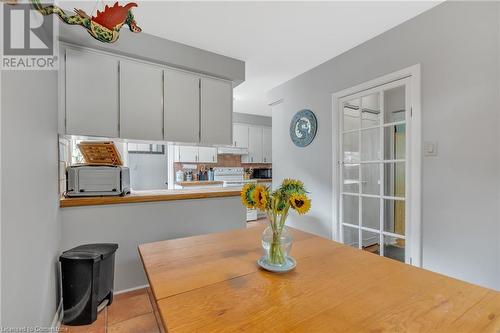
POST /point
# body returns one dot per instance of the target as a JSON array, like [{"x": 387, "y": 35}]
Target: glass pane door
[{"x": 374, "y": 179}]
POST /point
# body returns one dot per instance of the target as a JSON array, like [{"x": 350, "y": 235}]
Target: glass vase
[{"x": 277, "y": 243}]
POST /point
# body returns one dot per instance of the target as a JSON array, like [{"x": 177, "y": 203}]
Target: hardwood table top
[{"x": 211, "y": 283}]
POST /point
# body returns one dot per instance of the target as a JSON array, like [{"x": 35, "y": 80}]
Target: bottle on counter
[
  {"x": 179, "y": 176},
  {"x": 211, "y": 174},
  {"x": 199, "y": 174}
]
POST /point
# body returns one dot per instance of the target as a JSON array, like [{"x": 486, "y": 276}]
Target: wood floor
[{"x": 131, "y": 312}]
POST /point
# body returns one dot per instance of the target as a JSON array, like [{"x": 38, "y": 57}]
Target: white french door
[{"x": 375, "y": 168}]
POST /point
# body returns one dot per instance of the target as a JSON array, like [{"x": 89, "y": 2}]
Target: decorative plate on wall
[{"x": 303, "y": 128}]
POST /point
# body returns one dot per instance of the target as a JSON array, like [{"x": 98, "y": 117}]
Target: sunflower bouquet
[{"x": 276, "y": 204}]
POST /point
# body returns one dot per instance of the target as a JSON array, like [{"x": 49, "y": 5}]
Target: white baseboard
[
  {"x": 56, "y": 322},
  {"x": 366, "y": 241},
  {"x": 130, "y": 289},
  {"x": 372, "y": 240}
]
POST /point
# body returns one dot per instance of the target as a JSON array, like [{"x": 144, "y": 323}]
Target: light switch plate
[{"x": 430, "y": 148}]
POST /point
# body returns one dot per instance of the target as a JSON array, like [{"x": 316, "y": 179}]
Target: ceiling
[{"x": 277, "y": 40}]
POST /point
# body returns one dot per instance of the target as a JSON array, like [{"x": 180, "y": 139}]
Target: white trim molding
[
  {"x": 58, "y": 316},
  {"x": 276, "y": 102},
  {"x": 413, "y": 76},
  {"x": 130, "y": 289}
]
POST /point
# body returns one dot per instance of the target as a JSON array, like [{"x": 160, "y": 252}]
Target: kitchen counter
[
  {"x": 151, "y": 196},
  {"x": 199, "y": 183}
]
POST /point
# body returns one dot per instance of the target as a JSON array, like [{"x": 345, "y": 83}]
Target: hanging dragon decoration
[{"x": 105, "y": 26}]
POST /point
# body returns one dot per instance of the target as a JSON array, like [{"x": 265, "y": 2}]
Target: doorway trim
[{"x": 411, "y": 73}]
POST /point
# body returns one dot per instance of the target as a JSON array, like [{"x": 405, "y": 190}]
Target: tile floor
[{"x": 131, "y": 312}]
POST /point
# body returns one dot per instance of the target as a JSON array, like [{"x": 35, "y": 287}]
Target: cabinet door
[
  {"x": 187, "y": 154},
  {"x": 207, "y": 154},
  {"x": 240, "y": 136},
  {"x": 267, "y": 147},
  {"x": 141, "y": 101},
  {"x": 91, "y": 94},
  {"x": 182, "y": 107},
  {"x": 216, "y": 111},
  {"x": 255, "y": 144}
]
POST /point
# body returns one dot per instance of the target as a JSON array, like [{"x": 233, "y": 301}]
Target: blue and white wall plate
[{"x": 303, "y": 128}]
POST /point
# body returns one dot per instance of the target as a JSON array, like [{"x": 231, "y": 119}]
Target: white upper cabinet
[
  {"x": 193, "y": 154},
  {"x": 111, "y": 96},
  {"x": 91, "y": 94},
  {"x": 240, "y": 136},
  {"x": 182, "y": 106},
  {"x": 207, "y": 154},
  {"x": 267, "y": 147},
  {"x": 141, "y": 101},
  {"x": 259, "y": 145},
  {"x": 216, "y": 111},
  {"x": 187, "y": 154},
  {"x": 255, "y": 144}
]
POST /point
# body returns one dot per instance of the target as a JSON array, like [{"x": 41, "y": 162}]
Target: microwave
[
  {"x": 97, "y": 180},
  {"x": 264, "y": 173}
]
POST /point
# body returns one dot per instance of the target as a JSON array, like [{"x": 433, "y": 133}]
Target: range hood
[{"x": 232, "y": 150}]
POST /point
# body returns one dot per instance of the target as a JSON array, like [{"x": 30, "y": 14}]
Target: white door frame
[{"x": 415, "y": 177}]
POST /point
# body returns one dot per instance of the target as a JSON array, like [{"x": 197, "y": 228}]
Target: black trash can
[{"x": 87, "y": 281}]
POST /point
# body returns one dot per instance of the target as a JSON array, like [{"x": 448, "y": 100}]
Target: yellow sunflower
[
  {"x": 264, "y": 200},
  {"x": 294, "y": 182},
  {"x": 260, "y": 197},
  {"x": 246, "y": 195},
  {"x": 300, "y": 203}
]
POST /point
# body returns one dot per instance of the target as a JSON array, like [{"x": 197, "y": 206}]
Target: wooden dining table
[{"x": 212, "y": 283}]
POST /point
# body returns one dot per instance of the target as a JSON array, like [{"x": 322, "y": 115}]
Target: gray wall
[
  {"x": 252, "y": 119},
  {"x": 30, "y": 226},
  {"x": 130, "y": 225},
  {"x": 457, "y": 45}
]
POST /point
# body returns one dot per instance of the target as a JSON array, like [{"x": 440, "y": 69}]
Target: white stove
[
  {"x": 223, "y": 174},
  {"x": 235, "y": 177}
]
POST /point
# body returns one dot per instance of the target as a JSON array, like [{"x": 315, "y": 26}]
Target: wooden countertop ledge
[
  {"x": 199, "y": 182},
  {"x": 214, "y": 182},
  {"x": 151, "y": 196}
]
